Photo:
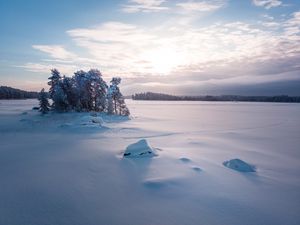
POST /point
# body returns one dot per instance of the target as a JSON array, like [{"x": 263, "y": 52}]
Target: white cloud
[
  {"x": 294, "y": 20},
  {"x": 267, "y": 3},
  {"x": 202, "y": 6},
  {"x": 273, "y": 25},
  {"x": 55, "y": 51},
  {"x": 46, "y": 67},
  {"x": 292, "y": 26},
  {"x": 183, "y": 51},
  {"x": 129, "y": 49},
  {"x": 268, "y": 17},
  {"x": 134, "y": 6}
]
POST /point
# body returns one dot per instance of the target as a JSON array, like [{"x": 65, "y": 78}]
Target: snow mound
[
  {"x": 185, "y": 160},
  {"x": 139, "y": 149},
  {"x": 239, "y": 165},
  {"x": 158, "y": 183},
  {"x": 197, "y": 169},
  {"x": 97, "y": 120}
]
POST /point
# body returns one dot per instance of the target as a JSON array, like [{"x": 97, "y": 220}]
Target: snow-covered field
[{"x": 69, "y": 169}]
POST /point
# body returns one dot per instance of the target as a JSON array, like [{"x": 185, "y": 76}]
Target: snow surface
[{"x": 64, "y": 169}]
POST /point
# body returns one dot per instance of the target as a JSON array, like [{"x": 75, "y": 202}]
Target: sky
[{"x": 183, "y": 47}]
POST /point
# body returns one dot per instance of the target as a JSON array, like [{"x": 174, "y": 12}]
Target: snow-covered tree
[
  {"x": 54, "y": 80},
  {"x": 60, "y": 99},
  {"x": 86, "y": 91},
  {"x": 91, "y": 89},
  {"x": 110, "y": 104},
  {"x": 113, "y": 93},
  {"x": 116, "y": 102},
  {"x": 83, "y": 90},
  {"x": 57, "y": 92},
  {"x": 43, "y": 101},
  {"x": 69, "y": 87},
  {"x": 123, "y": 109},
  {"x": 97, "y": 90}
]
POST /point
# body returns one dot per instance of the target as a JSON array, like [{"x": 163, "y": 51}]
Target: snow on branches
[
  {"x": 44, "y": 103},
  {"x": 86, "y": 91}
]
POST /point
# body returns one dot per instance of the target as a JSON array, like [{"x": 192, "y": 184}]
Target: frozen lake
[{"x": 63, "y": 169}]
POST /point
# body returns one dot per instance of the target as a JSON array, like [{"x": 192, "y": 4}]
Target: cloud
[
  {"x": 201, "y": 6},
  {"x": 284, "y": 83},
  {"x": 294, "y": 20},
  {"x": 134, "y": 6},
  {"x": 186, "y": 54},
  {"x": 116, "y": 46},
  {"x": 274, "y": 25},
  {"x": 46, "y": 67},
  {"x": 267, "y": 3},
  {"x": 140, "y": 50},
  {"x": 55, "y": 51}
]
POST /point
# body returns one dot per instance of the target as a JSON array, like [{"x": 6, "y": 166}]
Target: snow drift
[
  {"x": 97, "y": 120},
  {"x": 239, "y": 165},
  {"x": 139, "y": 149}
]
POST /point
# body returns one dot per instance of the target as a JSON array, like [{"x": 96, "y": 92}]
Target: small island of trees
[{"x": 83, "y": 92}]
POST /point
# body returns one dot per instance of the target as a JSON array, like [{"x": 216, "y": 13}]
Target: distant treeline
[
  {"x": 13, "y": 93},
  {"x": 166, "y": 97}
]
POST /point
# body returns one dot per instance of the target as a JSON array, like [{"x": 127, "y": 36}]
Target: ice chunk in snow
[
  {"x": 239, "y": 165},
  {"x": 97, "y": 120},
  {"x": 139, "y": 149}
]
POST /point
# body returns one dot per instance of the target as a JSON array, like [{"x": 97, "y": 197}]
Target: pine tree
[
  {"x": 115, "y": 91},
  {"x": 43, "y": 101},
  {"x": 83, "y": 90},
  {"x": 110, "y": 104},
  {"x": 123, "y": 109},
  {"x": 60, "y": 100},
  {"x": 69, "y": 88},
  {"x": 116, "y": 102},
  {"x": 54, "y": 81},
  {"x": 98, "y": 89}
]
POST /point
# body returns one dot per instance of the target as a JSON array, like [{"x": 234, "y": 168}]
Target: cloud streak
[
  {"x": 134, "y": 6},
  {"x": 55, "y": 51},
  {"x": 267, "y": 3},
  {"x": 202, "y": 6}
]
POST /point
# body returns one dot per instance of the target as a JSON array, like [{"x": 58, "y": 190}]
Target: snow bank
[
  {"x": 97, "y": 120},
  {"x": 239, "y": 165},
  {"x": 139, "y": 149},
  {"x": 88, "y": 120}
]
